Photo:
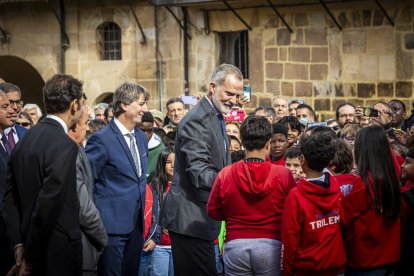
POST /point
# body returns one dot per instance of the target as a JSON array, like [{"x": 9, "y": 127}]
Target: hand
[
  {"x": 149, "y": 246},
  {"x": 26, "y": 269},
  {"x": 166, "y": 232},
  {"x": 18, "y": 257},
  {"x": 241, "y": 101},
  {"x": 401, "y": 136}
]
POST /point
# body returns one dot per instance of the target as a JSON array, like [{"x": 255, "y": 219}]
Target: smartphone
[
  {"x": 190, "y": 100},
  {"x": 247, "y": 92},
  {"x": 317, "y": 124},
  {"x": 370, "y": 112}
]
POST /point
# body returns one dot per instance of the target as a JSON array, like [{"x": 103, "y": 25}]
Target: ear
[
  {"x": 74, "y": 107},
  {"x": 212, "y": 88},
  {"x": 124, "y": 106}
]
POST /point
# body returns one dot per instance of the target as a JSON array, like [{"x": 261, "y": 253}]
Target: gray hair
[
  {"x": 277, "y": 98},
  {"x": 223, "y": 70},
  {"x": 127, "y": 93},
  {"x": 31, "y": 106},
  {"x": 102, "y": 106}
]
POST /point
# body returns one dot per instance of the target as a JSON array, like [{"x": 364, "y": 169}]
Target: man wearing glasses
[{"x": 16, "y": 132}]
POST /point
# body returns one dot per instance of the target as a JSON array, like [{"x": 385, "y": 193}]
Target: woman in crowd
[
  {"x": 371, "y": 210},
  {"x": 233, "y": 129},
  {"x": 162, "y": 257},
  {"x": 294, "y": 129}
]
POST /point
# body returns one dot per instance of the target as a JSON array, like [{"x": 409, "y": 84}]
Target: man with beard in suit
[{"x": 201, "y": 151}]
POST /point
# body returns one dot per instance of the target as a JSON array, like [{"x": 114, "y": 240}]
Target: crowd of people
[{"x": 118, "y": 189}]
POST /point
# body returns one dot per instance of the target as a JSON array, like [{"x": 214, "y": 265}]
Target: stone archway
[
  {"x": 18, "y": 71},
  {"x": 105, "y": 98}
]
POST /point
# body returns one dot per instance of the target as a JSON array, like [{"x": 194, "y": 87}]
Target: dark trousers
[
  {"x": 6, "y": 256},
  {"x": 122, "y": 255},
  {"x": 192, "y": 256}
]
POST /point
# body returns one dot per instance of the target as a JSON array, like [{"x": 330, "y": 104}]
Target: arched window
[{"x": 110, "y": 41}]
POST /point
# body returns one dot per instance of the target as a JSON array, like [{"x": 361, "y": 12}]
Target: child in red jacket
[{"x": 311, "y": 236}]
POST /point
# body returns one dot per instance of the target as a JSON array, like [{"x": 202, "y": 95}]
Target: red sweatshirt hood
[
  {"x": 324, "y": 198},
  {"x": 252, "y": 178}
]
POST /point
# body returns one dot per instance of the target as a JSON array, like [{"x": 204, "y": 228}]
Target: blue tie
[{"x": 223, "y": 128}]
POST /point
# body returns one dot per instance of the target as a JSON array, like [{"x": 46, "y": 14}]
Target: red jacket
[
  {"x": 280, "y": 162},
  {"x": 346, "y": 182},
  {"x": 372, "y": 240},
  {"x": 311, "y": 235},
  {"x": 250, "y": 198}
]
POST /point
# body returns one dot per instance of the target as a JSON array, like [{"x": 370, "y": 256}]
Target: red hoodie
[
  {"x": 250, "y": 198},
  {"x": 311, "y": 235},
  {"x": 372, "y": 240}
]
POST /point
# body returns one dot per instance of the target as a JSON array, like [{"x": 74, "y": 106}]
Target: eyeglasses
[
  {"x": 24, "y": 124},
  {"x": 17, "y": 103}
]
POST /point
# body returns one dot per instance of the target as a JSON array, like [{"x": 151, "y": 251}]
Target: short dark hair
[
  {"x": 325, "y": 129},
  {"x": 255, "y": 132},
  {"x": 268, "y": 110},
  {"x": 307, "y": 107},
  {"x": 169, "y": 138},
  {"x": 318, "y": 150},
  {"x": 9, "y": 87},
  {"x": 237, "y": 156},
  {"x": 393, "y": 100},
  {"x": 60, "y": 91},
  {"x": 109, "y": 107},
  {"x": 279, "y": 129},
  {"x": 343, "y": 159},
  {"x": 293, "y": 152},
  {"x": 339, "y": 107},
  {"x": 147, "y": 117},
  {"x": 291, "y": 121},
  {"x": 174, "y": 100}
]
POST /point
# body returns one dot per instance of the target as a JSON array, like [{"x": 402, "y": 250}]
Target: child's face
[
  {"x": 293, "y": 165},
  {"x": 278, "y": 146},
  {"x": 234, "y": 145},
  {"x": 169, "y": 166},
  {"x": 407, "y": 169}
]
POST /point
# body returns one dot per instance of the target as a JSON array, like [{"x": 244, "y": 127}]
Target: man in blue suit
[
  {"x": 118, "y": 155},
  {"x": 16, "y": 132}
]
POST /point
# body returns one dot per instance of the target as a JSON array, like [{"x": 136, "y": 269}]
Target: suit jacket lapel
[
  {"x": 124, "y": 145},
  {"x": 223, "y": 141},
  {"x": 3, "y": 153}
]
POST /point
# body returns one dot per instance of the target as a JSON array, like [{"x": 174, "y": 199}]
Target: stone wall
[{"x": 368, "y": 61}]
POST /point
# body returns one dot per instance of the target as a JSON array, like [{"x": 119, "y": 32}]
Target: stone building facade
[{"x": 363, "y": 57}]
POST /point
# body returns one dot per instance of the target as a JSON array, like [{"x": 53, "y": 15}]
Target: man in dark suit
[
  {"x": 6, "y": 112},
  {"x": 16, "y": 132},
  {"x": 118, "y": 155},
  {"x": 94, "y": 237},
  {"x": 201, "y": 151},
  {"x": 42, "y": 206}
]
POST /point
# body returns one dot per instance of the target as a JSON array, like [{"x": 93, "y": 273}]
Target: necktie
[
  {"x": 223, "y": 128},
  {"x": 133, "y": 150},
  {"x": 10, "y": 137},
  {"x": 6, "y": 144}
]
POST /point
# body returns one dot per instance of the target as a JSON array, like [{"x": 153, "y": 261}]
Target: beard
[{"x": 220, "y": 105}]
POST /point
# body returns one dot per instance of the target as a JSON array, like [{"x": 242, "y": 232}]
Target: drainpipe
[
  {"x": 159, "y": 62},
  {"x": 63, "y": 43},
  {"x": 186, "y": 90}
]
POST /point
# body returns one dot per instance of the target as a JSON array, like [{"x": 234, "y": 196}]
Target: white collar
[
  {"x": 122, "y": 128},
  {"x": 7, "y": 130},
  {"x": 60, "y": 121}
]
